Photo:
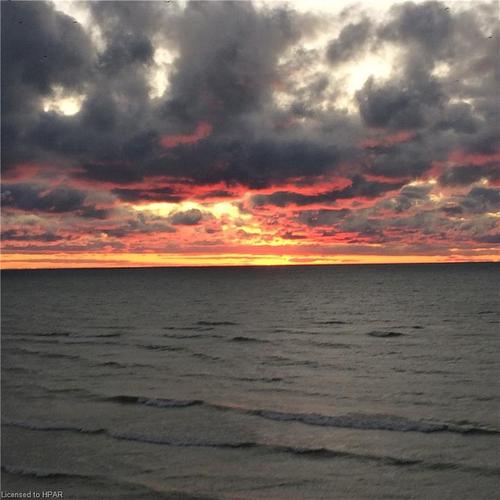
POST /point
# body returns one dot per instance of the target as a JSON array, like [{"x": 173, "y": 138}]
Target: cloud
[
  {"x": 223, "y": 73},
  {"x": 37, "y": 198},
  {"x": 359, "y": 187},
  {"x": 165, "y": 194},
  {"x": 41, "y": 49},
  {"x": 15, "y": 235},
  {"x": 190, "y": 217},
  {"x": 322, "y": 217},
  {"x": 408, "y": 197},
  {"x": 465, "y": 175},
  {"x": 482, "y": 199},
  {"x": 429, "y": 24},
  {"x": 350, "y": 41},
  {"x": 405, "y": 103},
  {"x": 254, "y": 109}
]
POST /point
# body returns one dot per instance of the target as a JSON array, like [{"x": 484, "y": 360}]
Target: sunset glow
[{"x": 249, "y": 134}]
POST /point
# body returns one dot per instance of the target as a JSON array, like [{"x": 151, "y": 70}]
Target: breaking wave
[
  {"x": 312, "y": 453},
  {"x": 350, "y": 421}
]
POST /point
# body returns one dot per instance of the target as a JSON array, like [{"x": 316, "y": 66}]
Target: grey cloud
[
  {"x": 400, "y": 104},
  {"x": 489, "y": 238},
  {"x": 359, "y": 187},
  {"x": 350, "y": 41},
  {"x": 482, "y": 199},
  {"x": 227, "y": 63},
  {"x": 429, "y": 24},
  {"x": 16, "y": 235},
  {"x": 409, "y": 196},
  {"x": 190, "y": 217},
  {"x": 56, "y": 200},
  {"x": 165, "y": 194},
  {"x": 322, "y": 217},
  {"x": 228, "y": 67},
  {"x": 464, "y": 175},
  {"x": 41, "y": 48},
  {"x": 28, "y": 197}
]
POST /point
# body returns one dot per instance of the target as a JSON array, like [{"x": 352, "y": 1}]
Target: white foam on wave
[{"x": 369, "y": 422}]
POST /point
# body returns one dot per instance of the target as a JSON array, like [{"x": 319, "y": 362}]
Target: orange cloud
[{"x": 203, "y": 130}]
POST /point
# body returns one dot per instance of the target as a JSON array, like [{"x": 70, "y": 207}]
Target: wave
[
  {"x": 259, "y": 379},
  {"x": 158, "y": 402},
  {"x": 216, "y": 323},
  {"x": 202, "y": 355},
  {"x": 18, "y": 369},
  {"x": 192, "y": 336},
  {"x": 357, "y": 421},
  {"x": 43, "y": 354},
  {"x": 276, "y": 360},
  {"x": 51, "y": 334},
  {"x": 190, "y": 328},
  {"x": 116, "y": 364},
  {"x": 241, "y": 338},
  {"x": 313, "y": 453},
  {"x": 32, "y": 337},
  {"x": 103, "y": 336},
  {"x": 291, "y": 331},
  {"x": 372, "y": 422},
  {"x": 333, "y": 345},
  {"x": 110, "y": 327},
  {"x": 331, "y": 322},
  {"x": 139, "y": 488},
  {"x": 52, "y": 427},
  {"x": 41, "y": 473},
  {"x": 64, "y": 334},
  {"x": 384, "y": 334},
  {"x": 155, "y": 347}
]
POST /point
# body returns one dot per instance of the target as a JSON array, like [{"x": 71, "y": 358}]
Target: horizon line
[{"x": 224, "y": 266}]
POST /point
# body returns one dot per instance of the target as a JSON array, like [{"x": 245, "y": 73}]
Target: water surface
[{"x": 326, "y": 382}]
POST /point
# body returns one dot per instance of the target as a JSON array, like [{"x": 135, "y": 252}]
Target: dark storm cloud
[
  {"x": 165, "y": 194},
  {"x": 217, "y": 193},
  {"x": 350, "y": 41},
  {"x": 489, "y": 238},
  {"x": 410, "y": 99},
  {"x": 359, "y": 187},
  {"x": 56, "y": 200},
  {"x": 252, "y": 163},
  {"x": 228, "y": 64},
  {"x": 467, "y": 174},
  {"x": 15, "y": 235},
  {"x": 41, "y": 48},
  {"x": 459, "y": 117},
  {"x": 33, "y": 198},
  {"x": 219, "y": 76},
  {"x": 187, "y": 218},
  {"x": 429, "y": 24},
  {"x": 120, "y": 173},
  {"x": 146, "y": 18},
  {"x": 452, "y": 210},
  {"x": 438, "y": 106},
  {"x": 124, "y": 51},
  {"x": 401, "y": 104},
  {"x": 406, "y": 160},
  {"x": 481, "y": 200}
]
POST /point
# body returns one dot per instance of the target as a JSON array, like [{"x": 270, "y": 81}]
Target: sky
[{"x": 238, "y": 133}]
